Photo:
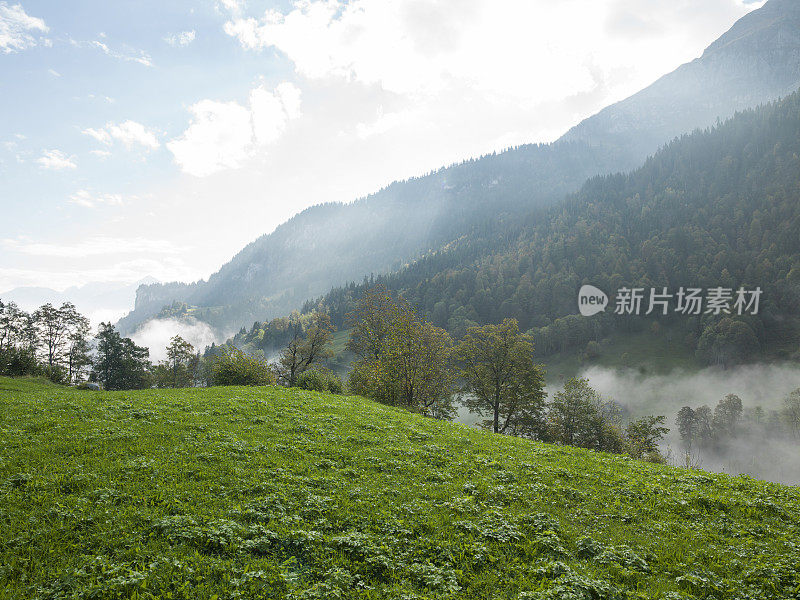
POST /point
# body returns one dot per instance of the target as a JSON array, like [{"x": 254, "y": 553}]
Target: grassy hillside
[{"x": 269, "y": 493}]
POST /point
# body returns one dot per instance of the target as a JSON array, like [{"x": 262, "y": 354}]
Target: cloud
[
  {"x": 232, "y": 6},
  {"x": 56, "y": 160},
  {"x": 383, "y": 123},
  {"x": 131, "y": 132},
  {"x": 87, "y": 200},
  {"x": 531, "y": 51},
  {"x": 165, "y": 268},
  {"x": 225, "y": 135},
  {"x": 54, "y": 73},
  {"x": 99, "y": 245},
  {"x": 756, "y": 384},
  {"x": 410, "y": 47},
  {"x": 143, "y": 58},
  {"x": 101, "y": 135},
  {"x": 128, "y": 132},
  {"x": 184, "y": 38},
  {"x": 16, "y": 27},
  {"x": 759, "y": 453},
  {"x": 138, "y": 56}
]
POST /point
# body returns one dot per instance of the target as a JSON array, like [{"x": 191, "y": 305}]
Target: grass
[{"x": 272, "y": 493}]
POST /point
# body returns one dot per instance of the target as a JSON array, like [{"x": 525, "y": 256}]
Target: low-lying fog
[
  {"x": 754, "y": 450},
  {"x": 157, "y": 333}
]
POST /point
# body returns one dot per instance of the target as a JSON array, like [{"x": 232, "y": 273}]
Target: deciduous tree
[
  {"x": 403, "y": 360},
  {"x": 500, "y": 378},
  {"x": 120, "y": 364},
  {"x": 179, "y": 355},
  {"x": 306, "y": 347}
]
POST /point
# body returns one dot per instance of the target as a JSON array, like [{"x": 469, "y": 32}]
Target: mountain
[
  {"x": 757, "y": 60},
  {"x": 717, "y": 208},
  {"x": 97, "y": 299}
]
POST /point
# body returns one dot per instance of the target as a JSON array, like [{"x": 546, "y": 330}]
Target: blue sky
[{"x": 158, "y": 138}]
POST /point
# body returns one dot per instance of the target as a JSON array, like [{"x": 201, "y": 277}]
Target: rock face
[{"x": 757, "y": 60}]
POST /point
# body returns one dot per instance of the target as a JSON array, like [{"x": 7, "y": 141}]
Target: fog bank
[
  {"x": 755, "y": 450},
  {"x": 157, "y": 333},
  {"x": 756, "y": 385}
]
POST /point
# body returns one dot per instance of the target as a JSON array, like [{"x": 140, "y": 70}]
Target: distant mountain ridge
[
  {"x": 757, "y": 60},
  {"x": 95, "y": 297}
]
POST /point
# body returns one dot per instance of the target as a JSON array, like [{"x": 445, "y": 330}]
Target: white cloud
[
  {"x": 184, "y": 38},
  {"x": 132, "y": 55},
  {"x": 98, "y": 245},
  {"x": 100, "y": 153},
  {"x": 128, "y": 132},
  {"x": 16, "y": 27},
  {"x": 142, "y": 57},
  {"x": 131, "y": 132},
  {"x": 225, "y": 135},
  {"x": 56, "y": 160},
  {"x": 54, "y": 73},
  {"x": 101, "y": 135},
  {"x": 232, "y": 6},
  {"x": 219, "y": 137},
  {"x": 167, "y": 268},
  {"x": 530, "y": 51},
  {"x": 88, "y": 200},
  {"x": 384, "y": 123}
]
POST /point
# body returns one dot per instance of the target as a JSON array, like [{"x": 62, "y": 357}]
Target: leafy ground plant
[{"x": 288, "y": 494}]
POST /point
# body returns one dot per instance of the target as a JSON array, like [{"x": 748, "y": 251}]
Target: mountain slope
[
  {"x": 327, "y": 245},
  {"x": 274, "y": 493},
  {"x": 715, "y": 208},
  {"x": 755, "y": 61}
]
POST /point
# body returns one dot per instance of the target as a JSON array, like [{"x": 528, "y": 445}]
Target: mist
[
  {"x": 157, "y": 333},
  {"x": 754, "y": 451},
  {"x": 756, "y": 385}
]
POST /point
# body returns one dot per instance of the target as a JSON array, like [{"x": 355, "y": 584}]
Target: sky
[{"x": 142, "y": 138}]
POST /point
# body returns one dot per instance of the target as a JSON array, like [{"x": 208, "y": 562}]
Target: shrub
[
  {"x": 320, "y": 379},
  {"x": 17, "y": 362},
  {"x": 54, "y": 373},
  {"x": 234, "y": 367}
]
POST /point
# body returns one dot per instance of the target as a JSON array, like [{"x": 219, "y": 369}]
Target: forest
[{"x": 714, "y": 208}]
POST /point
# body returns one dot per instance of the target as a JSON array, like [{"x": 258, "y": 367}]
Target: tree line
[
  {"x": 402, "y": 359},
  {"x": 57, "y": 343},
  {"x": 50, "y": 341},
  {"x": 715, "y": 431}
]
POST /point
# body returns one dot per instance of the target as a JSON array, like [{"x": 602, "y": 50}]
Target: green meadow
[{"x": 281, "y": 493}]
